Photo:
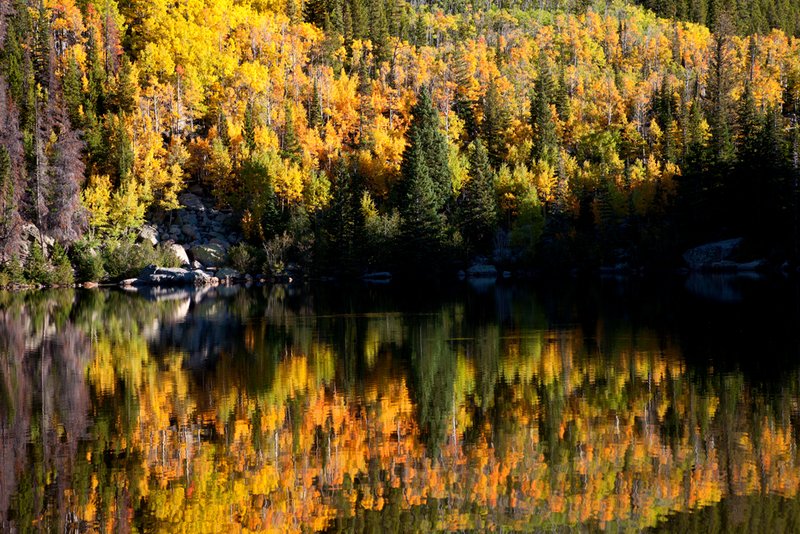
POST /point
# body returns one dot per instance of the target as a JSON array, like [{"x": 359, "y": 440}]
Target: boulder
[
  {"x": 169, "y": 276},
  {"x": 180, "y": 253},
  {"x": 191, "y": 201},
  {"x": 228, "y": 273},
  {"x": 482, "y": 271},
  {"x": 704, "y": 256},
  {"x": 221, "y": 241},
  {"x": 148, "y": 233},
  {"x": 210, "y": 255},
  {"x": 190, "y": 231},
  {"x": 377, "y": 277}
]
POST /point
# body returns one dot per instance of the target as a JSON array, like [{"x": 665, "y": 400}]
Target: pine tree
[
  {"x": 428, "y": 145},
  {"x": 42, "y": 49},
  {"x": 545, "y": 136},
  {"x": 125, "y": 90},
  {"x": 344, "y": 221},
  {"x": 250, "y": 127},
  {"x": 315, "y": 12},
  {"x": 477, "y": 202},
  {"x": 291, "y": 149},
  {"x": 379, "y": 31},
  {"x": 463, "y": 105},
  {"x": 425, "y": 187},
  {"x": 494, "y": 124},
  {"x": 315, "y": 108},
  {"x": 9, "y": 217},
  {"x": 422, "y": 223},
  {"x": 72, "y": 89}
]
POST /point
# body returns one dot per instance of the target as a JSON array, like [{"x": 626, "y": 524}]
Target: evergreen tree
[
  {"x": 494, "y": 124},
  {"x": 291, "y": 149},
  {"x": 463, "y": 105},
  {"x": 379, "y": 31},
  {"x": 428, "y": 146},
  {"x": 42, "y": 49},
  {"x": 9, "y": 217},
  {"x": 422, "y": 223},
  {"x": 72, "y": 89},
  {"x": 477, "y": 203},
  {"x": 344, "y": 222},
  {"x": 545, "y": 136},
  {"x": 359, "y": 14},
  {"x": 720, "y": 85},
  {"x": 315, "y": 118},
  {"x": 425, "y": 187},
  {"x": 124, "y": 96},
  {"x": 316, "y": 12},
  {"x": 250, "y": 127}
]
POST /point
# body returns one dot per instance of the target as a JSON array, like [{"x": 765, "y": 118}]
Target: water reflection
[{"x": 367, "y": 410}]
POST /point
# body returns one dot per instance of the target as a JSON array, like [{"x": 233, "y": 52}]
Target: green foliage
[
  {"x": 124, "y": 259},
  {"x": 11, "y": 273},
  {"x": 477, "y": 203},
  {"x": 494, "y": 124},
  {"x": 88, "y": 261},
  {"x": 36, "y": 270},
  {"x": 61, "y": 273},
  {"x": 243, "y": 257}
]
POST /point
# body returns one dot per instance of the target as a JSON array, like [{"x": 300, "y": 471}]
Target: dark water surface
[{"x": 612, "y": 406}]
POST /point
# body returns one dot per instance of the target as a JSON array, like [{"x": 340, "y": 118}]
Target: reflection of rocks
[{"x": 718, "y": 287}]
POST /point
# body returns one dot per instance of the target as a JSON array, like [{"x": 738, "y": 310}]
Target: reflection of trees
[{"x": 263, "y": 411}]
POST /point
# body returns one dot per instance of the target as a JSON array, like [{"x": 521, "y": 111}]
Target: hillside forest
[{"x": 354, "y": 135}]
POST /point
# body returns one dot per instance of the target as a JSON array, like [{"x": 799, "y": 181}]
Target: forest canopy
[{"x": 367, "y": 134}]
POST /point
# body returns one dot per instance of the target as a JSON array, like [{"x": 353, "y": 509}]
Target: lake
[{"x": 615, "y": 405}]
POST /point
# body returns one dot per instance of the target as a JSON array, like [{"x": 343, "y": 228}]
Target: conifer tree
[
  {"x": 477, "y": 203},
  {"x": 291, "y": 149},
  {"x": 250, "y": 127},
  {"x": 545, "y": 136},
  {"x": 426, "y": 185},
  {"x": 493, "y": 126}
]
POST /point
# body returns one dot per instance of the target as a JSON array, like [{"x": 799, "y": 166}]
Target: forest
[{"x": 362, "y": 135}]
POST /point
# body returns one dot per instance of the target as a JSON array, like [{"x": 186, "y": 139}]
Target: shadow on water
[{"x": 620, "y": 404}]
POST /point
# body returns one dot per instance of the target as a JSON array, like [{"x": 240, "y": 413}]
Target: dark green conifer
[
  {"x": 494, "y": 124},
  {"x": 477, "y": 202}
]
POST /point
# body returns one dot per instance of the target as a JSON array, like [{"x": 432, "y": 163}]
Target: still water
[{"x": 611, "y": 406}]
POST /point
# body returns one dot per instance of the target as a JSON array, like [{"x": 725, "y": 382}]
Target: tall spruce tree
[
  {"x": 477, "y": 202},
  {"x": 494, "y": 124},
  {"x": 545, "y": 137},
  {"x": 425, "y": 187}
]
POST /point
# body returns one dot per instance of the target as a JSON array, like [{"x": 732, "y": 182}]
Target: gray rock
[
  {"x": 196, "y": 265},
  {"x": 228, "y": 273},
  {"x": 180, "y": 253},
  {"x": 482, "y": 271},
  {"x": 191, "y": 201},
  {"x": 221, "y": 241},
  {"x": 210, "y": 255},
  {"x": 190, "y": 231},
  {"x": 149, "y": 234},
  {"x": 169, "y": 276},
  {"x": 704, "y": 256}
]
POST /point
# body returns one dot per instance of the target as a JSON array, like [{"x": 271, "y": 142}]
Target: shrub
[
  {"x": 124, "y": 259},
  {"x": 11, "y": 272},
  {"x": 36, "y": 270},
  {"x": 163, "y": 256},
  {"x": 61, "y": 272},
  {"x": 87, "y": 261},
  {"x": 242, "y": 257}
]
